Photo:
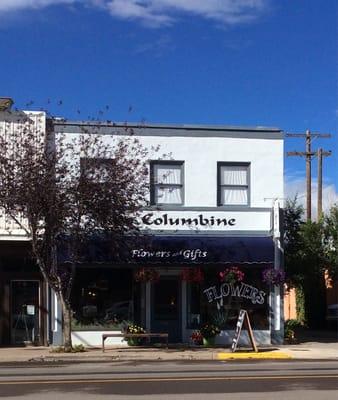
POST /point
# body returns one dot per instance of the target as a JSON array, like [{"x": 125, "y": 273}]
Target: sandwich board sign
[{"x": 243, "y": 317}]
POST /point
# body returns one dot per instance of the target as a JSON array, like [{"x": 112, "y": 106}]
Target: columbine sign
[
  {"x": 206, "y": 220},
  {"x": 200, "y": 220}
]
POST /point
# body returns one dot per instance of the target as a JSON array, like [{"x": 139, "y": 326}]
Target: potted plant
[
  {"x": 133, "y": 328},
  {"x": 197, "y": 338},
  {"x": 209, "y": 332},
  {"x": 292, "y": 328}
]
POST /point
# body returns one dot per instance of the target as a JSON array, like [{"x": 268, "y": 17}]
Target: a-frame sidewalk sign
[{"x": 243, "y": 317}]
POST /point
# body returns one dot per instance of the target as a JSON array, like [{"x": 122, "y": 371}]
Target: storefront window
[
  {"x": 103, "y": 298},
  {"x": 194, "y": 305},
  {"x": 212, "y": 302}
]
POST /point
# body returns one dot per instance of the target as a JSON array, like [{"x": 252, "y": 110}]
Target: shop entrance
[
  {"x": 25, "y": 326},
  {"x": 166, "y": 308}
]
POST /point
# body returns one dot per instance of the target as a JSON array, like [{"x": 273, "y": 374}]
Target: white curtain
[
  {"x": 234, "y": 196},
  {"x": 234, "y": 175},
  {"x": 168, "y": 174},
  {"x": 168, "y": 195}
]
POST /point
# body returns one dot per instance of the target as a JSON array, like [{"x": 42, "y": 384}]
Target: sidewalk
[{"x": 304, "y": 351}]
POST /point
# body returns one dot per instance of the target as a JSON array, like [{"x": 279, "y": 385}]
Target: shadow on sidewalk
[{"x": 318, "y": 336}]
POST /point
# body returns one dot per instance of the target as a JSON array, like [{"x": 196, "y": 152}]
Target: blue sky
[{"x": 233, "y": 62}]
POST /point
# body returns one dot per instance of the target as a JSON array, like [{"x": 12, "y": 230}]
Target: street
[{"x": 171, "y": 380}]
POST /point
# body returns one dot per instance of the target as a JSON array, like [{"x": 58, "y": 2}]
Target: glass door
[
  {"x": 25, "y": 326},
  {"x": 166, "y": 308}
]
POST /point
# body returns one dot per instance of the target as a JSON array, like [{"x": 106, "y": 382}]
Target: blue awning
[
  {"x": 178, "y": 250},
  {"x": 205, "y": 249}
]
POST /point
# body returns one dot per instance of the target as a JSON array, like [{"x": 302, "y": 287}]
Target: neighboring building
[
  {"x": 214, "y": 202},
  {"x": 23, "y": 293}
]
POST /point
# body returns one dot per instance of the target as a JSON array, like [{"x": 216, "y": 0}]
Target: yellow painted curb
[{"x": 266, "y": 355}]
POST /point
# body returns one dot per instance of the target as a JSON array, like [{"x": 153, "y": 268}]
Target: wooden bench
[{"x": 135, "y": 336}]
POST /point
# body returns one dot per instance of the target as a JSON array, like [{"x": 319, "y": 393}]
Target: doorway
[
  {"x": 25, "y": 313},
  {"x": 166, "y": 307}
]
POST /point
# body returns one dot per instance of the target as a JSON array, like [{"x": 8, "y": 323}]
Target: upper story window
[
  {"x": 233, "y": 184},
  {"x": 166, "y": 182},
  {"x": 97, "y": 170}
]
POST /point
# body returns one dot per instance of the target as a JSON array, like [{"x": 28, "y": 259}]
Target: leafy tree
[
  {"x": 306, "y": 261},
  {"x": 331, "y": 241},
  {"x": 60, "y": 189},
  {"x": 293, "y": 221},
  {"x": 314, "y": 264}
]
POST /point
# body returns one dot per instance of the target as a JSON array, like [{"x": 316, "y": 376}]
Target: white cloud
[
  {"x": 163, "y": 12},
  {"x": 158, "y": 47},
  {"x": 15, "y": 5},
  {"x": 297, "y": 187},
  {"x": 158, "y": 12}
]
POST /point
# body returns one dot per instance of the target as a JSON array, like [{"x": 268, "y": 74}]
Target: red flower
[
  {"x": 231, "y": 275},
  {"x": 192, "y": 275},
  {"x": 146, "y": 275},
  {"x": 196, "y": 337}
]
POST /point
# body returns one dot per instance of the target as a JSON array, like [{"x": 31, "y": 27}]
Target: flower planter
[
  {"x": 133, "y": 342},
  {"x": 207, "y": 342}
]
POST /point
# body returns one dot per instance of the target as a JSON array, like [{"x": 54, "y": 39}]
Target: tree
[
  {"x": 314, "y": 263},
  {"x": 63, "y": 190},
  {"x": 309, "y": 253},
  {"x": 293, "y": 221},
  {"x": 331, "y": 241}
]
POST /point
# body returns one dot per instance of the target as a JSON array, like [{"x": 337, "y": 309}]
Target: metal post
[
  {"x": 308, "y": 175},
  {"x": 320, "y": 184}
]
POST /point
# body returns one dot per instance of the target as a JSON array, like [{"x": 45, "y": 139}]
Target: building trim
[
  {"x": 191, "y": 232},
  {"x": 194, "y": 208},
  {"x": 123, "y": 129}
]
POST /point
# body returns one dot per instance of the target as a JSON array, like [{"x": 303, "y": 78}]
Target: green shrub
[
  {"x": 78, "y": 348},
  {"x": 290, "y": 328}
]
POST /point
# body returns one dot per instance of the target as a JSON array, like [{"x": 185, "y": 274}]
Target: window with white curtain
[
  {"x": 167, "y": 182},
  {"x": 233, "y": 184}
]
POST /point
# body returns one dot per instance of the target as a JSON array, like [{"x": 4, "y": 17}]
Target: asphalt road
[{"x": 171, "y": 380}]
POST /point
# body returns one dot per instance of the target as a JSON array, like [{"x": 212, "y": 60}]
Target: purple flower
[{"x": 273, "y": 276}]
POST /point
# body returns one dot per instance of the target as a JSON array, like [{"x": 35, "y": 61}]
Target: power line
[{"x": 308, "y": 154}]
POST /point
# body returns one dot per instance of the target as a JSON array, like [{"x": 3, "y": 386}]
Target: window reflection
[{"x": 200, "y": 310}]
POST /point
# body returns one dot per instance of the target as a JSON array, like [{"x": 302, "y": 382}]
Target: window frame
[
  {"x": 221, "y": 164},
  {"x": 89, "y": 162},
  {"x": 153, "y": 185}
]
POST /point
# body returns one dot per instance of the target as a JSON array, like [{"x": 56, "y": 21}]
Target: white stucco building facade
[{"x": 214, "y": 203}]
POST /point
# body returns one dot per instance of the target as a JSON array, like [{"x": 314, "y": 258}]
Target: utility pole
[
  {"x": 320, "y": 183},
  {"x": 308, "y": 157},
  {"x": 308, "y": 174},
  {"x": 320, "y": 155}
]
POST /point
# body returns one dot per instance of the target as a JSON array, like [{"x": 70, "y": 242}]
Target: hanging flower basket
[
  {"x": 146, "y": 275},
  {"x": 273, "y": 276},
  {"x": 231, "y": 275},
  {"x": 192, "y": 275}
]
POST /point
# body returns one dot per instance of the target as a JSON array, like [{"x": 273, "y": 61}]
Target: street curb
[{"x": 266, "y": 355}]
